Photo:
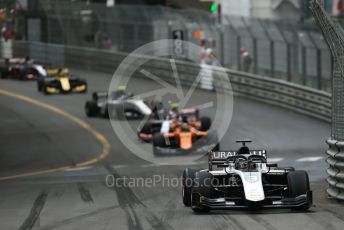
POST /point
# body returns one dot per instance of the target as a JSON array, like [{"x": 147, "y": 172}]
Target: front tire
[
  {"x": 298, "y": 184},
  {"x": 86, "y": 88},
  {"x": 45, "y": 90},
  {"x": 188, "y": 177},
  {"x": 159, "y": 140},
  {"x": 203, "y": 187},
  {"x": 91, "y": 108}
]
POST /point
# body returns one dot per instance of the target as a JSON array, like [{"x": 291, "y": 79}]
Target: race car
[
  {"x": 244, "y": 179},
  {"x": 21, "y": 69},
  {"x": 161, "y": 121},
  {"x": 60, "y": 81},
  {"x": 119, "y": 104},
  {"x": 183, "y": 138}
]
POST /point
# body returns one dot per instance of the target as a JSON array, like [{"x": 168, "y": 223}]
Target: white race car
[
  {"x": 21, "y": 69},
  {"x": 119, "y": 105},
  {"x": 244, "y": 179}
]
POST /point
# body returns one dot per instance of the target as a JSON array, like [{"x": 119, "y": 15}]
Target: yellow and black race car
[{"x": 60, "y": 81}]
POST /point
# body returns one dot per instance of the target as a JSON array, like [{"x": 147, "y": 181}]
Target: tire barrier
[{"x": 335, "y": 171}]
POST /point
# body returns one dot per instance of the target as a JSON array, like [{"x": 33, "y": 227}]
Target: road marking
[
  {"x": 148, "y": 165},
  {"x": 78, "y": 168},
  {"x": 106, "y": 145},
  {"x": 275, "y": 160},
  {"x": 119, "y": 166},
  {"x": 309, "y": 159}
]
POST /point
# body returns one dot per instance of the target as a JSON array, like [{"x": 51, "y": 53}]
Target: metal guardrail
[{"x": 295, "y": 97}]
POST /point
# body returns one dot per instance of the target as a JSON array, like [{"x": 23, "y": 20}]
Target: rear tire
[
  {"x": 91, "y": 108},
  {"x": 298, "y": 184},
  {"x": 205, "y": 123},
  {"x": 188, "y": 177}
]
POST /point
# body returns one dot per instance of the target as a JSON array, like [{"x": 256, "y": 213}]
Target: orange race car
[{"x": 184, "y": 137}]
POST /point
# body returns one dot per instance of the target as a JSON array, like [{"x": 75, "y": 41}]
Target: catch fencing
[{"x": 279, "y": 50}]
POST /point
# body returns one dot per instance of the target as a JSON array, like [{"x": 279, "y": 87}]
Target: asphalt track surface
[{"x": 36, "y": 140}]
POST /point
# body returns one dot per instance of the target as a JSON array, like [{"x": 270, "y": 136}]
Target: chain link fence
[{"x": 279, "y": 50}]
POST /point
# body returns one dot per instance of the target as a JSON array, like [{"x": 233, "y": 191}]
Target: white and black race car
[
  {"x": 118, "y": 104},
  {"x": 244, "y": 179},
  {"x": 21, "y": 69}
]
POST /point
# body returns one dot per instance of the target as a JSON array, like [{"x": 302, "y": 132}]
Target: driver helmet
[
  {"x": 174, "y": 106},
  {"x": 241, "y": 164},
  {"x": 185, "y": 127},
  {"x": 174, "y": 111},
  {"x": 121, "y": 88},
  {"x": 63, "y": 72}
]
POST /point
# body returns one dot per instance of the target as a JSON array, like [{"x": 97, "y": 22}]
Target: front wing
[
  {"x": 202, "y": 146},
  {"x": 75, "y": 86},
  {"x": 269, "y": 202}
]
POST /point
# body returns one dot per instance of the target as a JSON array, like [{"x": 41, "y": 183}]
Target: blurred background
[{"x": 273, "y": 38}]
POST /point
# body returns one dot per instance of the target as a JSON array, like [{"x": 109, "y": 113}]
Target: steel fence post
[
  {"x": 289, "y": 62},
  {"x": 304, "y": 65},
  {"x": 222, "y": 56},
  {"x": 255, "y": 56},
  {"x": 272, "y": 59},
  {"x": 238, "y": 52},
  {"x": 318, "y": 62},
  {"x": 319, "y": 69},
  {"x": 238, "y": 44},
  {"x": 272, "y": 51}
]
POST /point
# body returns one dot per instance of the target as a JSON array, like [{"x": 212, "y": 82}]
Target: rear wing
[
  {"x": 99, "y": 94},
  {"x": 189, "y": 111},
  {"x": 220, "y": 157}
]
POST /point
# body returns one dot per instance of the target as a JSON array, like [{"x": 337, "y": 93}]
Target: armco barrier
[{"x": 298, "y": 98}]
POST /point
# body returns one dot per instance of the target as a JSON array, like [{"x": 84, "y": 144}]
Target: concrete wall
[
  {"x": 236, "y": 8},
  {"x": 287, "y": 11},
  {"x": 261, "y": 9}
]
